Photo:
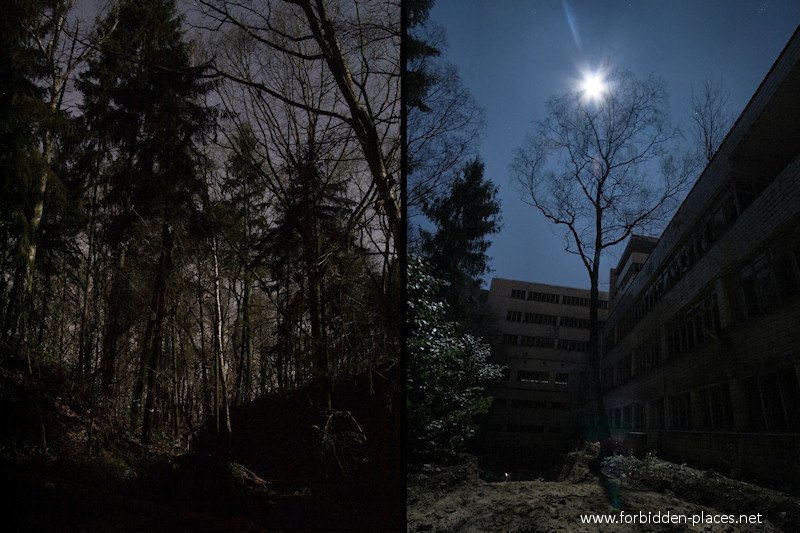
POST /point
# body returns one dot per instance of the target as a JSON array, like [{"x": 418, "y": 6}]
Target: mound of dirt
[
  {"x": 337, "y": 469},
  {"x": 453, "y": 498},
  {"x": 292, "y": 465}
]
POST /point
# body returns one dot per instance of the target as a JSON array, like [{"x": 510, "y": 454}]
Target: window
[
  {"x": 536, "y": 318},
  {"x": 518, "y": 294},
  {"x": 627, "y": 416},
  {"x": 772, "y": 399},
  {"x": 639, "y": 418},
  {"x": 533, "y": 376},
  {"x": 514, "y": 316},
  {"x": 766, "y": 287},
  {"x": 693, "y": 326},
  {"x": 786, "y": 274},
  {"x": 770, "y": 278},
  {"x": 680, "y": 411},
  {"x": 607, "y": 378},
  {"x": 562, "y": 378},
  {"x": 656, "y": 414},
  {"x": 575, "y": 300},
  {"x": 649, "y": 354},
  {"x": 546, "y": 297},
  {"x": 536, "y": 342},
  {"x": 622, "y": 371},
  {"x": 573, "y": 345},
  {"x": 572, "y": 322},
  {"x": 510, "y": 339},
  {"x": 715, "y": 407},
  {"x": 520, "y": 428}
]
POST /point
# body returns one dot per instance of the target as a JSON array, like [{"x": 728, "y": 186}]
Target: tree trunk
[
  {"x": 595, "y": 356},
  {"x": 242, "y": 394},
  {"x": 175, "y": 398},
  {"x": 84, "y": 337},
  {"x": 153, "y": 341},
  {"x": 19, "y": 305},
  {"x": 319, "y": 340},
  {"x": 113, "y": 326},
  {"x": 221, "y": 407}
]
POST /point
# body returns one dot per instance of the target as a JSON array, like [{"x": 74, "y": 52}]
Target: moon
[{"x": 593, "y": 86}]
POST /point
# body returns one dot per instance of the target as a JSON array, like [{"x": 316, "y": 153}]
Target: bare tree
[
  {"x": 444, "y": 132},
  {"x": 354, "y": 45},
  {"x": 710, "y": 118},
  {"x": 599, "y": 168}
]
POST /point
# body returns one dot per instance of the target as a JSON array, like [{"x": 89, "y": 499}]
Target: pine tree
[
  {"x": 310, "y": 226},
  {"x": 465, "y": 217},
  {"x": 142, "y": 101},
  {"x": 243, "y": 213}
]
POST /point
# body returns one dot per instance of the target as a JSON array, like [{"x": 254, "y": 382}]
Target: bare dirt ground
[{"x": 454, "y": 499}]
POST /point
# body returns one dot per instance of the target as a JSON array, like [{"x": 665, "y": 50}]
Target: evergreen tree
[
  {"x": 243, "y": 214},
  {"x": 142, "y": 104},
  {"x": 310, "y": 225},
  {"x": 465, "y": 217},
  {"x": 418, "y": 79}
]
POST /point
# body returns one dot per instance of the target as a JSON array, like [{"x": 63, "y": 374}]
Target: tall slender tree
[
  {"x": 142, "y": 101},
  {"x": 40, "y": 52},
  {"x": 599, "y": 167}
]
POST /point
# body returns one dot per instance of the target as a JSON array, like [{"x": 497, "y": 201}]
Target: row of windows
[
  {"x": 770, "y": 398},
  {"x": 512, "y": 339},
  {"x": 760, "y": 284},
  {"x": 531, "y": 318},
  {"x": 533, "y": 404},
  {"x": 738, "y": 195},
  {"x": 689, "y": 329},
  {"x": 539, "y": 376},
  {"x": 524, "y": 428},
  {"x": 549, "y": 320},
  {"x": 553, "y": 298},
  {"x": 770, "y": 278},
  {"x": 629, "y": 275}
]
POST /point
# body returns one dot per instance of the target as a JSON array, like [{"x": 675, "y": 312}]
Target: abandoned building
[
  {"x": 701, "y": 342},
  {"x": 542, "y": 340},
  {"x": 701, "y": 349}
]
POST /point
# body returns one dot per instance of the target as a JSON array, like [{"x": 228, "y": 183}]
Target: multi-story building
[
  {"x": 542, "y": 340},
  {"x": 701, "y": 350}
]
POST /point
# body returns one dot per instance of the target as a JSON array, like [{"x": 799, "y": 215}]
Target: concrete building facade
[
  {"x": 542, "y": 339},
  {"x": 701, "y": 351}
]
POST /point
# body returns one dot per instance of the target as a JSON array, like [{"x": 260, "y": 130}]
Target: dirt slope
[{"x": 455, "y": 499}]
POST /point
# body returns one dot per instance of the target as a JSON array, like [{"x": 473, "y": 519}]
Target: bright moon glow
[{"x": 593, "y": 86}]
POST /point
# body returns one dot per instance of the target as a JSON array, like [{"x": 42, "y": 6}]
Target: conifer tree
[
  {"x": 142, "y": 101},
  {"x": 465, "y": 217}
]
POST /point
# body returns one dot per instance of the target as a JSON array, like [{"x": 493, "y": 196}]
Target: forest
[{"x": 199, "y": 207}]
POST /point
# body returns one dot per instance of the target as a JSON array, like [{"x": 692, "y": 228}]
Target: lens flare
[{"x": 593, "y": 86}]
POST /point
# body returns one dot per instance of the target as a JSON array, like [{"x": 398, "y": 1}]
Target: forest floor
[
  {"x": 640, "y": 495},
  {"x": 67, "y": 465}
]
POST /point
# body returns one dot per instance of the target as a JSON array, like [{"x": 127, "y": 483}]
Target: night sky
[{"x": 514, "y": 54}]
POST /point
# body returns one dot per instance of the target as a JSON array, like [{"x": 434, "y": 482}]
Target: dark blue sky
[{"x": 514, "y": 54}]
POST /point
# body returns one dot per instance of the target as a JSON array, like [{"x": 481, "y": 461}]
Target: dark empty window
[{"x": 533, "y": 376}]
